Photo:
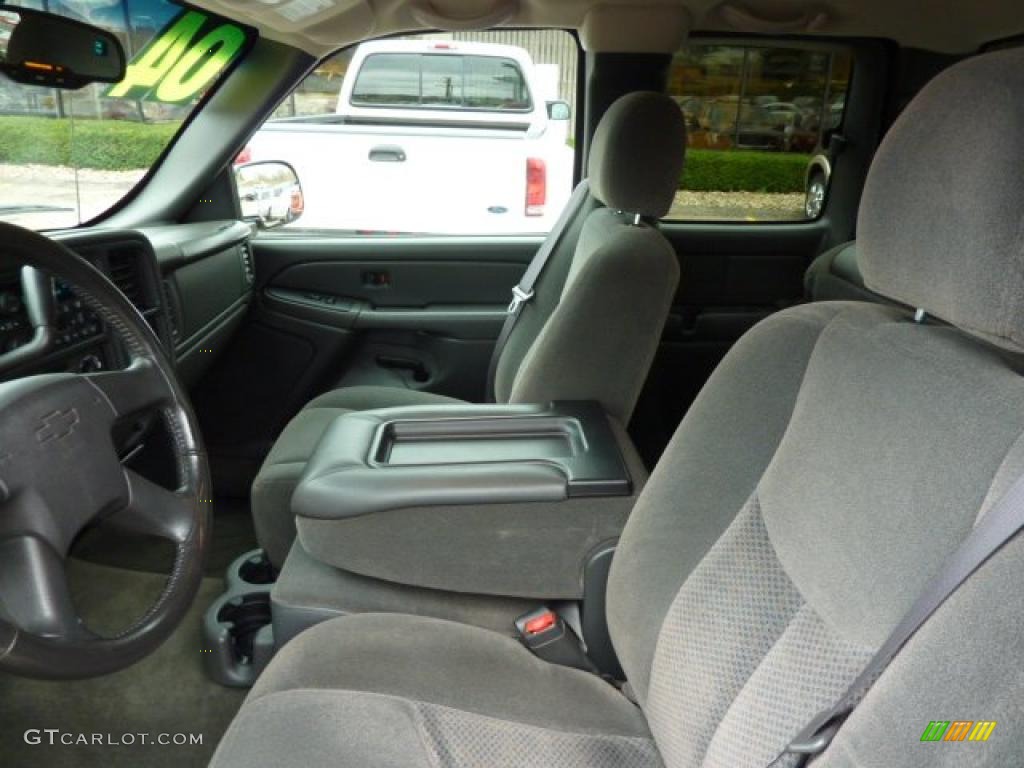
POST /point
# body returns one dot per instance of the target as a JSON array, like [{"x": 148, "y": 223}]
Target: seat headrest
[
  {"x": 636, "y": 158},
  {"x": 941, "y": 223}
]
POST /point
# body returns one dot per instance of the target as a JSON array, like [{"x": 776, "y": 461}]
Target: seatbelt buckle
[
  {"x": 551, "y": 639},
  {"x": 519, "y": 297},
  {"x": 816, "y": 743}
]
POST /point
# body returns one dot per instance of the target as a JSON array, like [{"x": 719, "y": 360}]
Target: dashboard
[{"x": 191, "y": 282}]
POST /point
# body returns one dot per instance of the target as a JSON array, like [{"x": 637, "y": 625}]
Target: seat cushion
[
  {"x": 273, "y": 486},
  {"x": 390, "y": 690}
]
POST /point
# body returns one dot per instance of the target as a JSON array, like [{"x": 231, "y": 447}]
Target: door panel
[
  {"x": 732, "y": 276},
  {"x": 470, "y": 321},
  {"x": 407, "y": 284},
  {"x": 421, "y": 313}
]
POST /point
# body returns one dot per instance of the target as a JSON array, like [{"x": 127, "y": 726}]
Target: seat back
[
  {"x": 835, "y": 276},
  {"x": 836, "y": 457},
  {"x": 593, "y": 327}
]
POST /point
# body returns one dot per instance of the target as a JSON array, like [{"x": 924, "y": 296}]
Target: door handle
[
  {"x": 415, "y": 367},
  {"x": 387, "y": 153}
]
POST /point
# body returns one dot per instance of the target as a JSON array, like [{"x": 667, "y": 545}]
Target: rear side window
[
  {"x": 441, "y": 81},
  {"x": 759, "y": 122}
]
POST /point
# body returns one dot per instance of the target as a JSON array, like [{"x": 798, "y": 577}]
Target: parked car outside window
[{"x": 759, "y": 119}]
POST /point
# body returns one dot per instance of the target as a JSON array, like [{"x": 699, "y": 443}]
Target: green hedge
[
  {"x": 709, "y": 170},
  {"x": 108, "y": 145}
]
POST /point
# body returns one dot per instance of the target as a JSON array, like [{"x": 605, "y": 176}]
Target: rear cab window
[
  {"x": 433, "y": 81},
  {"x": 759, "y": 124}
]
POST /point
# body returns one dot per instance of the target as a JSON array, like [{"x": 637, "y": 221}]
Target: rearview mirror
[
  {"x": 269, "y": 193},
  {"x": 39, "y": 48},
  {"x": 558, "y": 110}
]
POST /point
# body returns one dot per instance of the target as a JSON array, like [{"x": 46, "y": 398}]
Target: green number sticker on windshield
[{"x": 183, "y": 60}]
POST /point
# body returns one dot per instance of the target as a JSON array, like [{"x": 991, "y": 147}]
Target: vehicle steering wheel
[{"x": 60, "y": 471}]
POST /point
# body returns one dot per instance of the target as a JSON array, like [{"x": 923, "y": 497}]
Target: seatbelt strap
[
  {"x": 522, "y": 294},
  {"x": 998, "y": 526}
]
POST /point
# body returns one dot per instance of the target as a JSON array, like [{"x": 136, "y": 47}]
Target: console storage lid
[{"x": 433, "y": 455}]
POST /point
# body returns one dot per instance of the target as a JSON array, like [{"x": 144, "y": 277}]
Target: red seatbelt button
[{"x": 541, "y": 623}]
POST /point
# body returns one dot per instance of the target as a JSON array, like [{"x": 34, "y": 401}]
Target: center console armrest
[
  {"x": 442, "y": 455},
  {"x": 490, "y": 499}
]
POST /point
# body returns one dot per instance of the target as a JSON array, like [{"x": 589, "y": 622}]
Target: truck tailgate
[{"x": 409, "y": 179}]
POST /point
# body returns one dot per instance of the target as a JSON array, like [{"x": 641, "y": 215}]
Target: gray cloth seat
[
  {"x": 835, "y": 276},
  {"x": 393, "y": 690},
  {"x": 837, "y": 455},
  {"x": 283, "y": 466},
  {"x": 592, "y": 329}
]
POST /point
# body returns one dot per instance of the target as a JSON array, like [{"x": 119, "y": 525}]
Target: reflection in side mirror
[
  {"x": 39, "y": 48},
  {"x": 558, "y": 110},
  {"x": 269, "y": 193}
]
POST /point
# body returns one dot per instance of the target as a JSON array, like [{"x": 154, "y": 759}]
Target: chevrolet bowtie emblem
[{"x": 57, "y": 425}]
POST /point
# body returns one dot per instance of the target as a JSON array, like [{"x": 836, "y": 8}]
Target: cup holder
[
  {"x": 237, "y": 631},
  {"x": 254, "y": 568},
  {"x": 245, "y": 616}
]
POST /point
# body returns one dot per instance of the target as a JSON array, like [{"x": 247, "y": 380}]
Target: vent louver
[{"x": 124, "y": 273}]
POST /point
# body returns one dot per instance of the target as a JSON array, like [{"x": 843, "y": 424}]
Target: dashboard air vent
[{"x": 124, "y": 273}]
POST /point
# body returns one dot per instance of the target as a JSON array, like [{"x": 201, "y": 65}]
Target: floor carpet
[{"x": 165, "y": 693}]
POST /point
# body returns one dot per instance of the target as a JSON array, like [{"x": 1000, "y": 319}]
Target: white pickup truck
[{"x": 431, "y": 136}]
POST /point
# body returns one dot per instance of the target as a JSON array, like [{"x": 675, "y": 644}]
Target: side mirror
[
  {"x": 39, "y": 48},
  {"x": 269, "y": 193},
  {"x": 559, "y": 110}
]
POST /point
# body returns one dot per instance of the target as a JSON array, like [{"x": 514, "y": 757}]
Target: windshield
[{"x": 68, "y": 156}]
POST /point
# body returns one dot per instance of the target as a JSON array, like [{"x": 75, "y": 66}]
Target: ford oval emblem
[{"x": 497, "y": 209}]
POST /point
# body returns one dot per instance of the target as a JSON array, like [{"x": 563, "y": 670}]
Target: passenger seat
[
  {"x": 835, "y": 276},
  {"x": 591, "y": 329}
]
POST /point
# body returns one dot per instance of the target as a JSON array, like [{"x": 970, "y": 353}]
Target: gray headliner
[{"x": 645, "y": 25}]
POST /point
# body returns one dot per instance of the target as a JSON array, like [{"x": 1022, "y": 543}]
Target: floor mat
[
  {"x": 233, "y": 534},
  {"x": 166, "y": 693}
]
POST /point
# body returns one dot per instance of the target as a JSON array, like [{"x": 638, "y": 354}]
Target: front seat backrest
[
  {"x": 835, "y": 276},
  {"x": 835, "y": 458},
  {"x": 592, "y": 335}
]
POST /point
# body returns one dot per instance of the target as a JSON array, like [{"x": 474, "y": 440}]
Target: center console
[
  {"x": 502, "y": 500},
  {"x": 471, "y": 513}
]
